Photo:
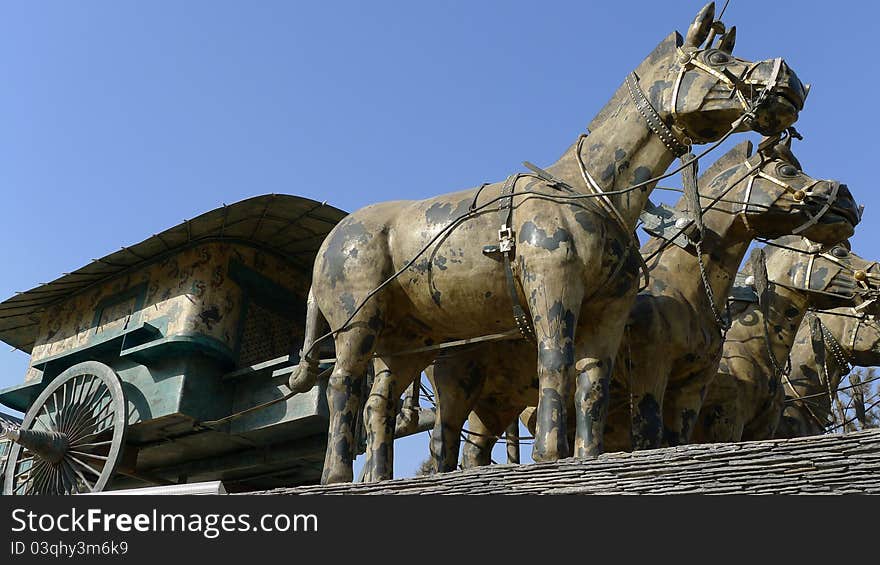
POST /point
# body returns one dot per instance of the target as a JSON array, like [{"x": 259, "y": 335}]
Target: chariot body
[{"x": 147, "y": 365}]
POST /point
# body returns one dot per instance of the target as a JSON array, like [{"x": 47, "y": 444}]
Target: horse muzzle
[
  {"x": 782, "y": 104},
  {"x": 843, "y": 207}
]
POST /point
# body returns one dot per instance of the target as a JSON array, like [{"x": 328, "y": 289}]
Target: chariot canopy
[{"x": 291, "y": 227}]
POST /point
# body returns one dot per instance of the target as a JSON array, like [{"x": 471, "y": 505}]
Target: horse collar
[{"x": 655, "y": 123}]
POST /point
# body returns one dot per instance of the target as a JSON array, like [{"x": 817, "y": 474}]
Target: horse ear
[
  {"x": 783, "y": 151},
  {"x": 762, "y": 280},
  {"x": 817, "y": 342},
  {"x": 702, "y": 24},
  {"x": 728, "y": 41}
]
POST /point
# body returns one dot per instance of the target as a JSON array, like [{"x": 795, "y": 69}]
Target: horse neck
[
  {"x": 619, "y": 152},
  {"x": 785, "y": 313},
  {"x": 805, "y": 375},
  {"x": 840, "y": 328},
  {"x": 860, "y": 340},
  {"x": 724, "y": 244}
]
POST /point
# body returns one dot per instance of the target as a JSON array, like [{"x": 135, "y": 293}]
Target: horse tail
[{"x": 305, "y": 374}]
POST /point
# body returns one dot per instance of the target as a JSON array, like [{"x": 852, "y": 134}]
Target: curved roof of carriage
[{"x": 291, "y": 226}]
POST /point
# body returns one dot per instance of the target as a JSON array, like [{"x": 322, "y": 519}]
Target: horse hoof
[{"x": 302, "y": 379}]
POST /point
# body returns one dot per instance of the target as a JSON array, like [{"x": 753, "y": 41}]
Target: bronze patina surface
[
  {"x": 745, "y": 400},
  {"x": 574, "y": 262},
  {"x": 847, "y": 338},
  {"x": 672, "y": 335}
]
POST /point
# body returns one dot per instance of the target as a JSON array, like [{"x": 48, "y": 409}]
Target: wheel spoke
[
  {"x": 90, "y": 421},
  {"x": 51, "y": 419},
  {"x": 71, "y": 405},
  {"x": 86, "y": 427},
  {"x": 33, "y": 476},
  {"x": 57, "y": 410},
  {"x": 89, "y": 455},
  {"x": 95, "y": 426},
  {"x": 62, "y": 418},
  {"x": 40, "y": 478},
  {"x": 81, "y": 406},
  {"x": 85, "y": 466},
  {"x": 23, "y": 471},
  {"x": 80, "y": 446},
  {"x": 87, "y": 406},
  {"x": 90, "y": 486}
]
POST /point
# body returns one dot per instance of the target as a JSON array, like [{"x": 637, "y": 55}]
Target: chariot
[{"x": 147, "y": 364}]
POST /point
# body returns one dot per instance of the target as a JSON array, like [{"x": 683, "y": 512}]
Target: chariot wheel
[{"x": 71, "y": 439}]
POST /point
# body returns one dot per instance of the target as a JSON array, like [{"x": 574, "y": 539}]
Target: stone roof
[{"x": 828, "y": 464}]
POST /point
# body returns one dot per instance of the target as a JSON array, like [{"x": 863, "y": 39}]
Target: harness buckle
[{"x": 506, "y": 242}]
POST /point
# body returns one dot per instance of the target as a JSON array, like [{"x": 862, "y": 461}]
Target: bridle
[
  {"x": 799, "y": 195},
  {"x": 862, "y": 277},
  {"x": 676, "y": 138},
  {"x": 689, "y": 60}
]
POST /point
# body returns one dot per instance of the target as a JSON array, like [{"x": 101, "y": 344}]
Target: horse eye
[
  {"x": 718, "y": 58},
  {"x": 788, "y": 170},
  {"x": 839, "y": 252}
]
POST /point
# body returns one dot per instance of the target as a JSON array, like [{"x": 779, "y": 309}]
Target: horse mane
[
  {"x": 664, "y": 51},
  {"x": 736, "y": 156},
  {"x": 750, "y": 263}
]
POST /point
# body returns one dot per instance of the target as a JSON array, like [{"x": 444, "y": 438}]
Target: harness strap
[
  {"x": 507, "y": 245},
  {"x": 653, "y": 119}
]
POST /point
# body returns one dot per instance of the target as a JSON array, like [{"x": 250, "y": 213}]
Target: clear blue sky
[{"x": 120, "y": 119}]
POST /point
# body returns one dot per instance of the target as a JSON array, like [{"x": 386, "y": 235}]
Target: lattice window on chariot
[{"x": 266, "y": 335}]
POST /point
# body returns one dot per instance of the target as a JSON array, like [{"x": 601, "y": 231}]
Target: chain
[{"x": 723, "y": 325}]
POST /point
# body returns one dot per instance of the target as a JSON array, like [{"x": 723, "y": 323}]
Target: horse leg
[
  {"x": 721, "y": 418},
  {"x": 486, "y": 424},
  {"x": 354, "y": 349},
  {"x": 555, "y": 303},
  {"x": 597, "y": 347},
  {"x": 647, "y": 390},
  {"x": 393, "y": 376},
  {"x": 682, "y": 406},
  {"x": 457, "y": 385},
  {"x": 478, "y": 443},
  {"x": 617, "y": 424}
]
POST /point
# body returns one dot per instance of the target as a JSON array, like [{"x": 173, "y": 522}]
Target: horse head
[
  {"x": 831, "y": 275},
  {"x": 857, "y": 332},
  {"x": 771, "y": 196},
  {"x": 693, "y": 90}
]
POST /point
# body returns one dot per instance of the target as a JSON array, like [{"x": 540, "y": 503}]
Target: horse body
[
  {"x": 575, "y": 265},
  {"x": 746, "y": 399}
]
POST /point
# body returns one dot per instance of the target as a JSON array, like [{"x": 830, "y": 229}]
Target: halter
[
  {"x": 676, "y": 138},
  {"x": 799, "y": 194},
  {"x": 862, "y": 277},
  {"x": 690, "y": 60}
]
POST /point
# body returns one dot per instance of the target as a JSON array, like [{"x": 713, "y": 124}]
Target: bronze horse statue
[
  {"x": 395, "y": 277},
  {"x": 745, "y": 401},
  {"x": 848, "y": 337},
  {"x": 673, "y": 330}
]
